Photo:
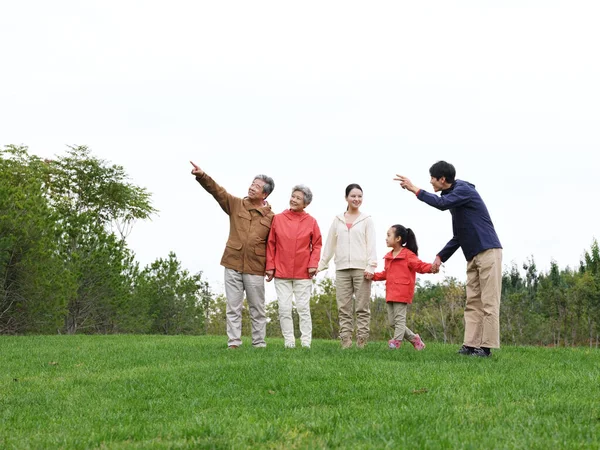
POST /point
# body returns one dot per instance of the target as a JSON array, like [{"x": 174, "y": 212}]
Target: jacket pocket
[
  {"x": 243, "y": 214},
  {"x": 234, "y": 245},
  {"x": 266, "y": 221},
  {"x": 232, "y": 257},
  {"x": 258, "y": 260}
]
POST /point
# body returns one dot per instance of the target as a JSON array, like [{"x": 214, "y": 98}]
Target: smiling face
[
  {"x": 354, "y": 199},
  {"x": 255, "y": 191},
  {"x": 297, "y": 201},
  {"x": 391, "y": 240}
]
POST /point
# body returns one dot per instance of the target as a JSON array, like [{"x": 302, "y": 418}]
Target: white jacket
[{"x": 354, "y": 248}]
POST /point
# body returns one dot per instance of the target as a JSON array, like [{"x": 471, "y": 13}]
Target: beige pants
[
  {"x": 484, "y": 288},
  {"x": 348, "y": 283},
  {"x": 254, "y": 285},
  {"x": 286, "y": 290},
  {"x": 397, "y": 319}
]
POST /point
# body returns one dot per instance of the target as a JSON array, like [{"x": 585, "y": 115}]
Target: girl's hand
[{"x": 435, "y": 266}]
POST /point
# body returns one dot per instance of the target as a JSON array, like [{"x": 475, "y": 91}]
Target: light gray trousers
[{"x": 254, "y": 285}]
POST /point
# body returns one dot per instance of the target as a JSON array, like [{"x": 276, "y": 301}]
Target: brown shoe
[
  {"x": 346, "y": 342},
  {"x": 232, "y": 347},
  {"x": 361, "y": 342}
]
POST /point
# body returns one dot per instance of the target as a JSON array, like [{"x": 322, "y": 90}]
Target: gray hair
[
  {"x": 306, "y": 191},
  {"x": 269, "y": 183}
]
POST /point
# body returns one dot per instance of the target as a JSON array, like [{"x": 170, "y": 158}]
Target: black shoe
[
  {"x": 464, "y": 350},
  {"x": 482, "y": 352}
]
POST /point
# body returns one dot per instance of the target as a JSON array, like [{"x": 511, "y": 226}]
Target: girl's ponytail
[{"x": 409, "y": 240}]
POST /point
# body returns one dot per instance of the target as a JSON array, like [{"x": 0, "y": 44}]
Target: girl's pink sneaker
[
  {"x": 417, "y": 343},
  {"x": 394, "y": 344}
]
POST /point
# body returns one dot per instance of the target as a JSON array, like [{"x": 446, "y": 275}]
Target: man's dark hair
[{"x": 443, "y": 169}]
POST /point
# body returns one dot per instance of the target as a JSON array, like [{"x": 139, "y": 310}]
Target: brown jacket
[{"x": 249, "y": 227}]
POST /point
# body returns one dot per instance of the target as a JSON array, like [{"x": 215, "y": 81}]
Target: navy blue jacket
[{"x": 471, "y": 223}]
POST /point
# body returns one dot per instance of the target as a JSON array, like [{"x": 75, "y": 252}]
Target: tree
[
  {"x": 92, "y": 200},
  {"x": 175, "y": 298},
  {"x": 323, "y": 307},
  {"x": 34, "y": 282}
]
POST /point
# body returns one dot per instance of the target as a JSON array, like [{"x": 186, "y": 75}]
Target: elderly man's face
[{"x": 255, "y": 191}]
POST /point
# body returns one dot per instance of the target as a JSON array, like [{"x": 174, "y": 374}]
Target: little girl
[{"x": 401, "y": 266}]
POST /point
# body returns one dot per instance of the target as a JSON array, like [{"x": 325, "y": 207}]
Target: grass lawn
[{"x": 191, "y": 392}]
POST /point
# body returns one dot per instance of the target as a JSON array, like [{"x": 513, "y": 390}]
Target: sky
[{"x": 324, "y": 93}]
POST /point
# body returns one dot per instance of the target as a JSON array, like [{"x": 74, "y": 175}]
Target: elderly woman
[{"x": 293, "y": 252}]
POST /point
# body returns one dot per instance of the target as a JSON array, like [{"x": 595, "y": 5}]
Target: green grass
[{"x": 191, "y": 392}]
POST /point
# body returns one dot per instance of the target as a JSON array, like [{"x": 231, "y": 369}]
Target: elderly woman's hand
[
  {"x": 269, "y": 274},
  {"x": 312, "y": 271}
]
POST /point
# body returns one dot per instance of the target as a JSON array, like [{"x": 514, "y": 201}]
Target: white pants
[
  {"x": 254, "y": 285},
  {"x": 300, "y": 289}
]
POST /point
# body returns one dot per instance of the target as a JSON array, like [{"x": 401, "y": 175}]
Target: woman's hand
[
  {"x": 368, "y": 275},
  {"x": 312, "y": 271},
  {"x": 269, "y": 274}
]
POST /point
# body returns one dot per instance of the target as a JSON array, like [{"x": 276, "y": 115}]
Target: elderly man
[
  {"x": 474, "y": 232},
  {"x": 244, "y": 257}
]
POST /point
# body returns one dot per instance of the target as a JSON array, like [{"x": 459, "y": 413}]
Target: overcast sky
[{"x": 326, "y": 94}]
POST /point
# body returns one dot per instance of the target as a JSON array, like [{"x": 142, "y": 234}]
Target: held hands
[
  {"x": 405, "y": 183},
  {"x": 312, "y": 271},
  {"x": 368, "y": 275},
  {"x": 269, "y": 274},
  {"x": 196, "y": 171},
  {"x": 435, "y": 265}
]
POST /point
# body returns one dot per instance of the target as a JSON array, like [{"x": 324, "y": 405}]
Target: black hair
[
  {"x": 352, "y": 186},
  {"x": 443, "y": 169},
  {"x": 409, "y": 240}
]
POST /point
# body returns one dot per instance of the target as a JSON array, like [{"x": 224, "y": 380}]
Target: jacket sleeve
[
  {"x": 371, "y": 247},
  {"x": 329, "y": 249},
  {"x": 224, "y": 198},
  {"x": 414, "y": 263},
  {"x": 317, "y": 243},
  {"x": 449, "y": 249},
  {"x": 272, "y": 245},
  {"x": 380, "y": 276},
  {"x": 459, "y": 196}
]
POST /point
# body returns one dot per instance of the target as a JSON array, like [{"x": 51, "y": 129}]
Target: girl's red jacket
[{"x": 400, "y": 273}]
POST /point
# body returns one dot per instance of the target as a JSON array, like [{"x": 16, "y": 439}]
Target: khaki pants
[
  {"x": 484, "y": 288},
  {"x": 349, "y": 282},
  {"x": 254, "y": 285},
  {"x": 397, "y": 319},
  {"x": 286, "y": 290}
]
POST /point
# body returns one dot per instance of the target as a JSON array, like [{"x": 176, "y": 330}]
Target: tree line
[{"x": 66, "y": 268}]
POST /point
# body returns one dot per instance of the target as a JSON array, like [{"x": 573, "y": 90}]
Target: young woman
[{"x": 351, "y": 239}]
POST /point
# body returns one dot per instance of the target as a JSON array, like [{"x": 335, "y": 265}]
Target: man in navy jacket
[{"x": 474, "y": 232}]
